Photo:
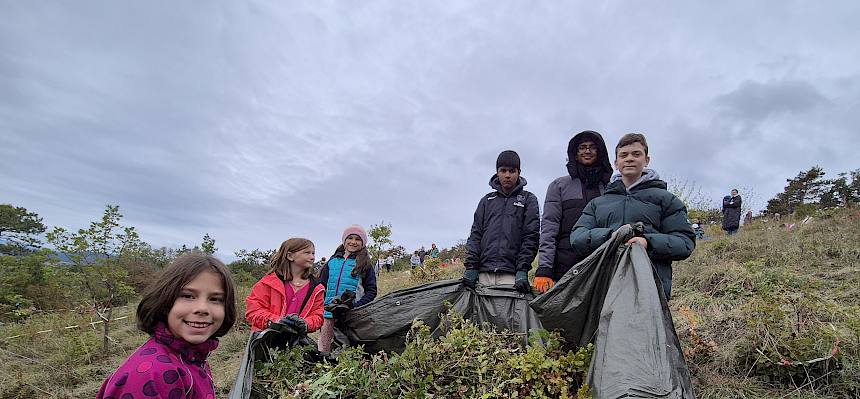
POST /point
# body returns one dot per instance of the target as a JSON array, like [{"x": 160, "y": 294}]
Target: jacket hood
[
  {"x": 602, "y": 162},
  {"x": 648, "y": 175},
  {"x": 496, "y": 185}
]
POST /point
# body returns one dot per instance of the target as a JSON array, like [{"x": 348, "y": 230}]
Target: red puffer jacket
[{"x": 268, "y": 302}]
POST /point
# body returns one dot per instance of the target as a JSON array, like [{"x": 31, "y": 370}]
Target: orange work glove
[{"x": 543, "y": 284}]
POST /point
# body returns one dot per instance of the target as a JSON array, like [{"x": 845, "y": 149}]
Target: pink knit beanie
[{"x": 357, "y": 230}]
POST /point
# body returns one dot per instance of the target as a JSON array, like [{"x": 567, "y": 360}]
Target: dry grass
[{"x": 766, "y": 288}]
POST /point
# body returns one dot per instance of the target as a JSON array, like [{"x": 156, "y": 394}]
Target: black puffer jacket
[
  {"x": 504, "y": 236},
  {"x": 565, "y": 199}
]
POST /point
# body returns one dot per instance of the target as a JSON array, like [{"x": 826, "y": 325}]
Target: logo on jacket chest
[{"x": 520, "y": 199}]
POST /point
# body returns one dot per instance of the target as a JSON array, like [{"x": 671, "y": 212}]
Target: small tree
[
  {"x": 380, "y": 239},
  {"x": 19, "y": 230},
  {"x": 208, "y": 245},
  {"x": 97, "y": 255}
]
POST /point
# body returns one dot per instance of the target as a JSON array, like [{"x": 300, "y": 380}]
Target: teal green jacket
[{"x": 667, "y": 230}]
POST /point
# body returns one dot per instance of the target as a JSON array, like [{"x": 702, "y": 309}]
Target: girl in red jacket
[{"x": 288, "y": 288}]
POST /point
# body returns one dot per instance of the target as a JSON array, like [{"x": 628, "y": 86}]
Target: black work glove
[
  {"x": 290, "y": 323},
  {"x": 521, "y": 282},
  {"x": 470, "y": 278},
  {"x": 341, "y": 305}
]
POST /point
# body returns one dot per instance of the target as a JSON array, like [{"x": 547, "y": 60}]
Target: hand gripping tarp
[{"x": 614, "y": 299}]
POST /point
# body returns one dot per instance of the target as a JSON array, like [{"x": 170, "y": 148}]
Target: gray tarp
[
  {"x": 612, "y": 298},
  {"x": 383, "y": 324}
]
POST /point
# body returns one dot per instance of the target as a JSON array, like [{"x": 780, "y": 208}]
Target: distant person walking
[
  {"x": 732, "y": 212},
  {"x": 588, "y": 173}
]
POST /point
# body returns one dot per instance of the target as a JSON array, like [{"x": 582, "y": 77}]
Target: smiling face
[
  {"x": 353, "y": 243},
  {"x": 198, "y": 311},
  {"x": 586, "y": 153},
  {"x": 303, "y": 258},
  {"x": 630, "y": 160},
  {"x": 508, "y": 177}
]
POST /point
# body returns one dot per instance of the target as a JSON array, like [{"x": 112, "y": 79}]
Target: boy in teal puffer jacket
[{"x": 637, "y": 194}]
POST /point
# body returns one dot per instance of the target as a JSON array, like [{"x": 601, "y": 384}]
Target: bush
[{"x": 466, "y": 361}]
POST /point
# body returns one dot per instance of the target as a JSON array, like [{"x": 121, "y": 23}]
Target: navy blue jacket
[{"x": 505, "y": 233}]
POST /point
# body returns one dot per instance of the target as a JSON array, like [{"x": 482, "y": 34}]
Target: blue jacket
[
  {"x": 505, "y": 232},
  {"x": 337, "y": 276}
]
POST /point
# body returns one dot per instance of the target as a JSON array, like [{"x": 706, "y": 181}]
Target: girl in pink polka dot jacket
[{"x": 184, "y": 311}]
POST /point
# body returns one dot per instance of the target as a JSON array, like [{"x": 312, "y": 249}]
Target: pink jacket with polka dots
[{"x": 163, "y": 367}]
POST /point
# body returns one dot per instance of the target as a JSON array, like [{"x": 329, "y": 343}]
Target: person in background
[
  {"x": 318, "y": 267},
  {"x": 588, "y": 172},
  {"x": 748, "y": 218},
  {"x": 434, "y": 252},
  {"x": 732, "y": 212},
  {"x": 697, "y": 228},
  {"x": 504, "y": 237},
  {"x": 422, "y": 254},
  {"x": 389, "y": 262},
  {"x": 415, "y": 260}
]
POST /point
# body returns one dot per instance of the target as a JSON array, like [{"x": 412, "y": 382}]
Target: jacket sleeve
[
  {"x": 257, "y": 306},
  {"x": 586, "y": 236},
  {"x": 677, "y": 240},
  {"x": 550, "y": 223},
  {"x": 315, "y": 317},
  {"x": 323, "y": 278},
  {"x": 473, "y": 244},
  {"x": 368, "y": 282},
  {"x": 733, "y": 204},
  {"x": 531, "y": 234}
]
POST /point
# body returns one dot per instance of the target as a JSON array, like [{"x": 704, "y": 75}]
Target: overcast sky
[{"x": 258, "y": 121}]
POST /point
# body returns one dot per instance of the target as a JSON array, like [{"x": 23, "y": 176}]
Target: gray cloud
[{"x": 256, "y": 121}]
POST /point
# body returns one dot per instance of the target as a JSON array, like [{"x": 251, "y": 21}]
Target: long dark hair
[
  {"x": 159, "y": 297},
  {"x": 362, "y": 259}
]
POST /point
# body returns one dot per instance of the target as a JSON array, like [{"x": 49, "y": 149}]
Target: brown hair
[
  {"x": 631, "y": 138},
  {"x": 160, "y": 295},
  {"x": 281, "y": 264},
  {"x": 362, "y": 259}
]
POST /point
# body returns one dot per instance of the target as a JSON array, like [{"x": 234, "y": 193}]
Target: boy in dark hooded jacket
[
  {"x": 504, "y": 236},
  {"x": 588, "y": 169},
  {"x": 637, "y": 194}
]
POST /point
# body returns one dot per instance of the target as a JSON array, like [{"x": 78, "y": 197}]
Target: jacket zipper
[{"x": 339, "y": 275}]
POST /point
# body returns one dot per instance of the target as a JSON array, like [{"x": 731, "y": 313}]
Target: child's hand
[{"x": 638, "y": 240}]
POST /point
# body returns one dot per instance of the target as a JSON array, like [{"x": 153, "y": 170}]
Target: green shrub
[{"x": 466, "y": 361}]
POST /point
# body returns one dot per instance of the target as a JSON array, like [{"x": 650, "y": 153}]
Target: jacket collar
[
  {"x": 650, "y": 178},
  {"x": 496, "y": 185},
  {"x": 194, "y": 354}
]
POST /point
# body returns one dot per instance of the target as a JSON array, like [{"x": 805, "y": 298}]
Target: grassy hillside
[
  {"x": 766, "y": 313},
  {"x": 773, "y": 312}
]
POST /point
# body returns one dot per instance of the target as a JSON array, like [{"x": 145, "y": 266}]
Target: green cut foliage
[{"x": 466, "y": 361}]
